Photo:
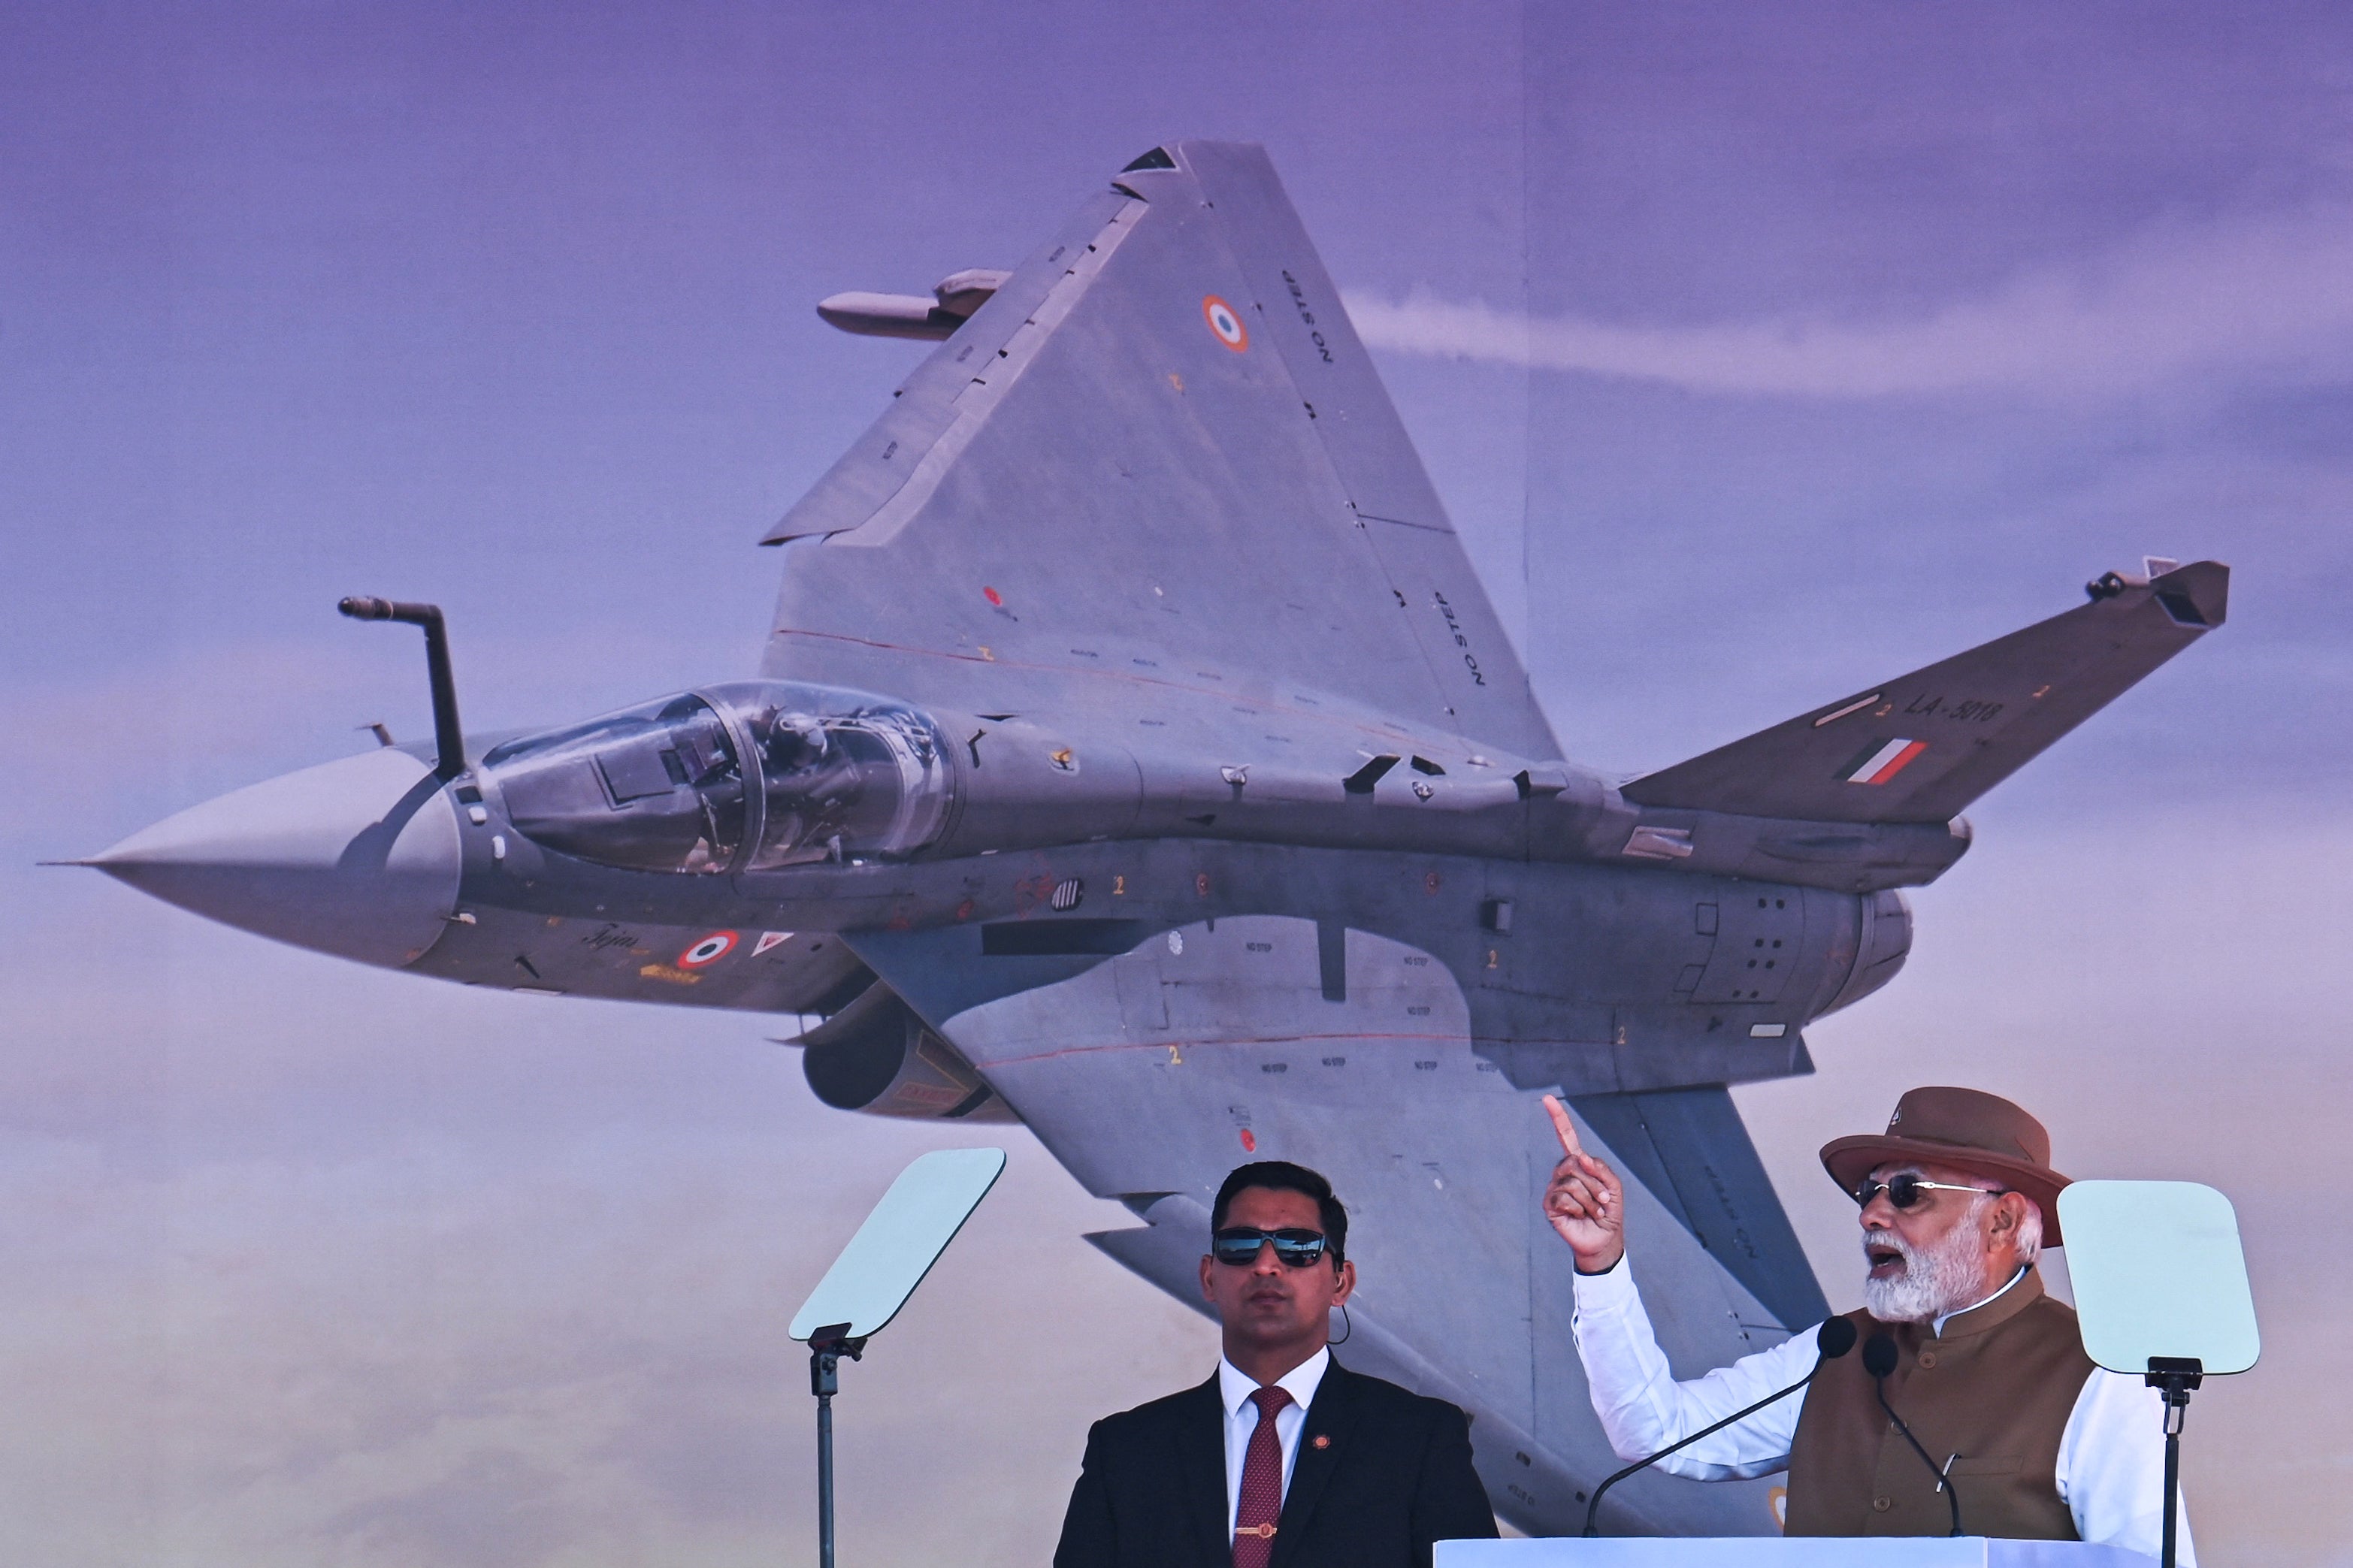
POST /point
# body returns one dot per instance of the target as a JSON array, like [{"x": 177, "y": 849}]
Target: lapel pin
[{"x": 1323, "y": 1441}]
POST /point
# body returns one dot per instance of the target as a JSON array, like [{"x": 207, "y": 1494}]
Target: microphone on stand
[
  {"x": 1879, "y": 1358},
  {"x": 1832, "y": 1340}
]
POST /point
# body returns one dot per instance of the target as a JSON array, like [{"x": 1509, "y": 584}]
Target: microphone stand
[
  {"x": 1832, "y": 1345},
  {"x": 1879, "y": 1360}
]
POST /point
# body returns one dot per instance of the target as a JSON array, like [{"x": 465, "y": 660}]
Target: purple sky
[{"x": 1760, "y": 355}]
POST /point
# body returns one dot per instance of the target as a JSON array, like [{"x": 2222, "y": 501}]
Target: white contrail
[{"x": 2277, "y": 291}]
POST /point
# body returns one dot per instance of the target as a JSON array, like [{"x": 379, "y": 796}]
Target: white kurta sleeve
[
  {"x": 2111, "y": 1467},
  {"x": 1643, "y": 1408}
]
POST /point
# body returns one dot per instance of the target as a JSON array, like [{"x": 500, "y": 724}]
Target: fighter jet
[{"x": 1136, "y": 754}]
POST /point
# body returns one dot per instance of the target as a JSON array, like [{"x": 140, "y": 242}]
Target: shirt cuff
[{"x": 1611, "y": 1289}]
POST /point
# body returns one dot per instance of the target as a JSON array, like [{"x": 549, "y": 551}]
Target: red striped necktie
[{"x": 1262, "y": 1500}]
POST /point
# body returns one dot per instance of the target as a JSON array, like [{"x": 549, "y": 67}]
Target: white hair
[
  {"x": 1943, "y": 1276},
  {"x": 1948, "y": 1274},
  {"x": 2030, "y": 1230}
]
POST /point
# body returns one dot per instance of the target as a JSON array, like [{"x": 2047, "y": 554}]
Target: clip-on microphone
[
  {"x": 1832, "y": 1340},
  {"x": 1879, "y": 1358}
]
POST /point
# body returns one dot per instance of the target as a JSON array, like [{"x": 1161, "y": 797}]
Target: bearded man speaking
[{"x": 1984, "y": 1374}]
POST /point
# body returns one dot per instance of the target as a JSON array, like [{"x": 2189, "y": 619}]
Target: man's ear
[
  {"x": 1206, "y": 1261},
  {"x": 1346, "y": 1285},
  {"x": 2009, "y": 1211}
]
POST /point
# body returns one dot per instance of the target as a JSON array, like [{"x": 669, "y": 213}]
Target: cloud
[
  {"x": 495, "y": 1507},
  {"x": 2274, "y": 293}
]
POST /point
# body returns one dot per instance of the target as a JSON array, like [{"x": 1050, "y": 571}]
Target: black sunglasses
[
  {"x": 1904, "y": 1190},
  {"x": 1238, "y": 1244}
]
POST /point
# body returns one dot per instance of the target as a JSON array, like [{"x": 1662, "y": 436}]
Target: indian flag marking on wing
[{"x": 1880, "y": 763}]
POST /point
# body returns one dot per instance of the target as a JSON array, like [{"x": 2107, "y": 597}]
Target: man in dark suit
[{"x": 1284, "y": 1458}]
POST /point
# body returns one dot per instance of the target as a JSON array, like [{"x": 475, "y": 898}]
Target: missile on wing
[{"x": 952, "y": 303}]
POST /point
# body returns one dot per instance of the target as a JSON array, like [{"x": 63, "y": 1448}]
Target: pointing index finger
[{"x": 1563, "y": 1125}]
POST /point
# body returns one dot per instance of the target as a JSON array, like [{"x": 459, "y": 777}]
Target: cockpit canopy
[{"x": 748, "y": 776}]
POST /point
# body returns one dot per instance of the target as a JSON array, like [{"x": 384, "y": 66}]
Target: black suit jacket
[{"x": 1395, "y": 1476}]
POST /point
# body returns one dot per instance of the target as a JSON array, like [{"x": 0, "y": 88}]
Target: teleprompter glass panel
[
  {"x": 899, "y": 1241},
  {"x": 2157, "y": 1271}
]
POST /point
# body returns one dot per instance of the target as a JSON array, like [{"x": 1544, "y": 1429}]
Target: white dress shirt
[
  {"x": 1235, "y": 1388},
  {"x": 2111, "y": 1456}
]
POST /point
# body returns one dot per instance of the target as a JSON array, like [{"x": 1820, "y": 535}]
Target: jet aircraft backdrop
[{"x": 1750, "y": 368}]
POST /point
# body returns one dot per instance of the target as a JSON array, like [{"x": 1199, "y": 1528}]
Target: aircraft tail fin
[
  {"x": 1921, "y": 747},
  {"x": 1157, "y": 467}
]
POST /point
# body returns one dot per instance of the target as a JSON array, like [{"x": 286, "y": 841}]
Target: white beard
[{"x": 1938, "y": 1279}]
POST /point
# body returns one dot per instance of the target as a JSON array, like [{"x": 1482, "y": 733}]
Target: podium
[{"x": 1784, "y": 1552}]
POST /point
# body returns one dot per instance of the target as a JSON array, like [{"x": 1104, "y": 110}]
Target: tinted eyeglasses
[
  {"x": 1904, "y": 1190},
  {"x": 1238, "y": 1244}
]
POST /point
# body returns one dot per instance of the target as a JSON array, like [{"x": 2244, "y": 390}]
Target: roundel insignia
[
  {"x": 710, "y": 950},
  {"x": 1226, "y": 322}
]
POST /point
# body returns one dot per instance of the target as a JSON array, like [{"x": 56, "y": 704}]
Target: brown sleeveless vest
[{"x": 1995, "y": 1388}]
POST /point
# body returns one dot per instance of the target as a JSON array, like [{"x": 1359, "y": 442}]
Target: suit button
[
  {"x": 1881, "y": 1504},
  {"x": 1928, "y": 1358}
]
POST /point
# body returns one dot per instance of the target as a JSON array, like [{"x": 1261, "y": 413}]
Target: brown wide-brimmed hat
[{"x": 1966, "y": 1128}]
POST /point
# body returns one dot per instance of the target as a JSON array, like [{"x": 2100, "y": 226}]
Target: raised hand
[{"x": 1584, "y": 1200}]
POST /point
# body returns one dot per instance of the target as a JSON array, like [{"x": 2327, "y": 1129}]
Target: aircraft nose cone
[{"x": 357, "y": 858}]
